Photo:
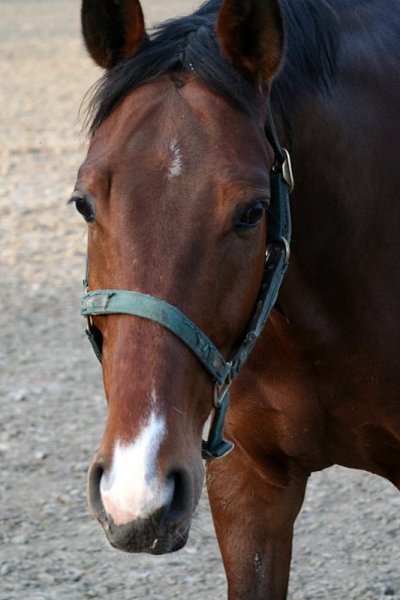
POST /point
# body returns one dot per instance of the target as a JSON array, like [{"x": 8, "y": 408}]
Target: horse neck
[{"x": 345, "y": 212}]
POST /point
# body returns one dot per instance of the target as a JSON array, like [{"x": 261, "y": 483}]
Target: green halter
[{"x": 107, "y": 302}]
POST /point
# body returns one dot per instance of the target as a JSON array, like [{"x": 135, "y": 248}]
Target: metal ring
[
  {"x": 286, "y": 245},
  {"x": 89, "y": 321},
  {"x": 287, "y": 170}
]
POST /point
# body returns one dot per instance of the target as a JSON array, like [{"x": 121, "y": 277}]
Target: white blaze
[{"x": 132, "y": 488}]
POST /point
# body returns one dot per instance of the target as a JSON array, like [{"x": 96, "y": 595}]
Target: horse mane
[{"x": 189, "y": 44}]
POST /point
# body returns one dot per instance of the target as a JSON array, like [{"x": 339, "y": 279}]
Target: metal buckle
[
  {"x": 221, "y": 389},
  {"x": 89, "y": 322},
  {"x": 287, "y": 170},
  {"x": 216, "y": 446},
  {"x": 220, "y": 392},
  {"x": 286, "y": 245}
]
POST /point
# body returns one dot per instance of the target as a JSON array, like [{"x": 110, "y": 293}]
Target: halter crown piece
[{"x": 107, "y": 302}]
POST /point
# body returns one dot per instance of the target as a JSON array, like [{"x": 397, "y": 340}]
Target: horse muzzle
[{"x": 155, "y": 519}]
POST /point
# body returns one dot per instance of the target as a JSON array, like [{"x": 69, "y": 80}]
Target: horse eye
[
  {"x": 251, "y": 216},
  {"x": 84, "y": 207}
]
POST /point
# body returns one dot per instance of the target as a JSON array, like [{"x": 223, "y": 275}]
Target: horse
[{"x": 188, "y": 129}]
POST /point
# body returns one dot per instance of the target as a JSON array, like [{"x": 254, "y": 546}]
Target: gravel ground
[{"x": 52, "y": 404}]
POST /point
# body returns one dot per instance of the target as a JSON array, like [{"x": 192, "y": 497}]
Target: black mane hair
[{"x": 189, "y": 44}]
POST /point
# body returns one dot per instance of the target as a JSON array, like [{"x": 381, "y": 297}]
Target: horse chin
[
  {"x": 174, "y": 543},
  {"x": 143, "y": 536}
]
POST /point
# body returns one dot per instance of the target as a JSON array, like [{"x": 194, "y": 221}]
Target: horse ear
[
  {"x": 112, "y": 29},
  {"x": 251, "y": 35}
]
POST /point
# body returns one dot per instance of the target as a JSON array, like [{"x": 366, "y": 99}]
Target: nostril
[
  {"x": 180, "y": 503},
  {"x": 94, "y": 497}
]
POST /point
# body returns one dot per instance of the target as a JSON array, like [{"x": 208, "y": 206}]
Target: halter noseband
[{"x": 107, "y": 302}]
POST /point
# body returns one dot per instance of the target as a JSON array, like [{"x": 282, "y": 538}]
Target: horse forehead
[
  {"x": 156, "y": 114},
  {"x": 171, "y": 132}
]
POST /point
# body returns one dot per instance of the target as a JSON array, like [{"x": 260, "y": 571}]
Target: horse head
[{"x": 175, "y": 191}]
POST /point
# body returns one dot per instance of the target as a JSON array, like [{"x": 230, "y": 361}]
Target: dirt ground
[{"x": 347, "y": 543}]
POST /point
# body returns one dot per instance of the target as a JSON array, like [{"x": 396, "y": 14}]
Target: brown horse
[{"x": 175, "y": 190}]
